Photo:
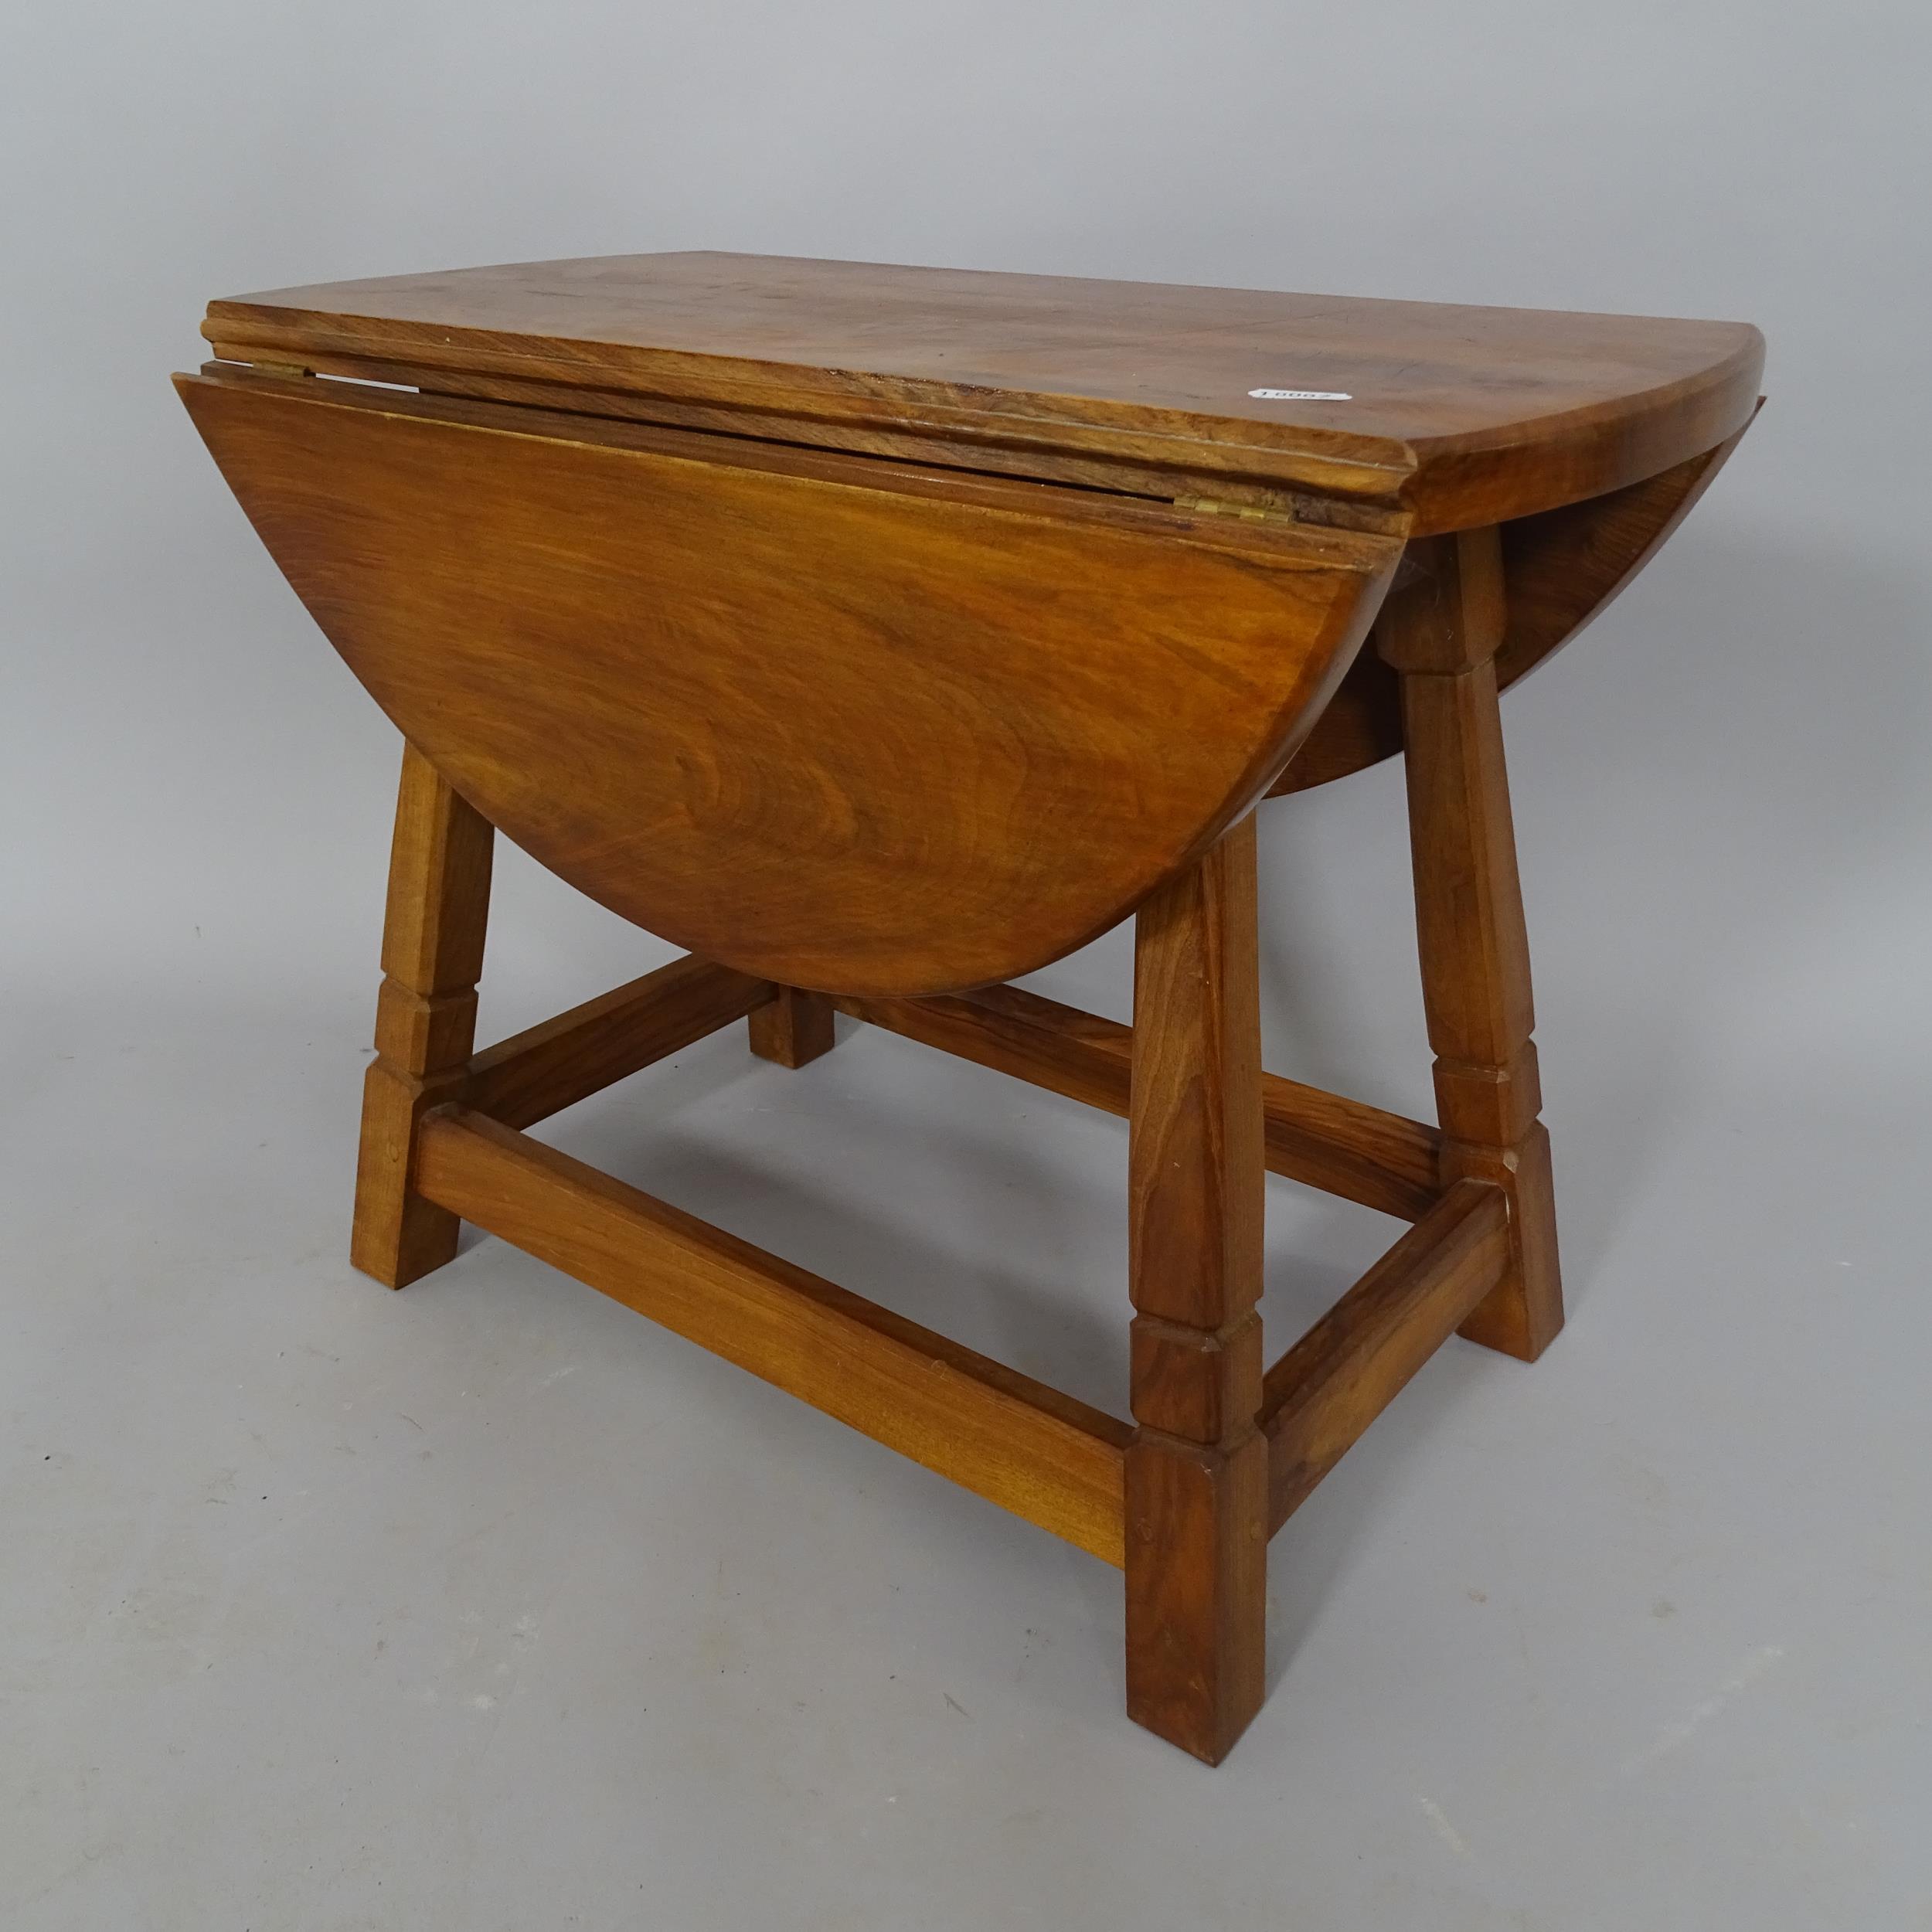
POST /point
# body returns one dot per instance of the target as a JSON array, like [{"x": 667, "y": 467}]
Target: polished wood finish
[
  {"x": 1341, "y": 1146},
  {"x": 1320, "y": 1397},
  {"x": 1164, "y": 482},
  {"x": 1460, "y": 415},
  {"x": 1562, "y": 569},
  {"x": 1440, "y": 631},
  {"x": 1026, "y": 1447},
  {"x": 1197, "y": 1483},
  {"x": 713, "y": 695},
  {"x": 793, "y": 1028},
  {"x": 439, "y": 896},
  {"x": 543, "y": 1069},
  {"x": 1360, "y": 726},
  {"x": 880, "y": 635}
]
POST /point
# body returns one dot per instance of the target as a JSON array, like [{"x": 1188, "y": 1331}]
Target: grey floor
[{"x": 487, "y": 1605}]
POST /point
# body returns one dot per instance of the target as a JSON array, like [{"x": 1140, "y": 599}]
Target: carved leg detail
[
  {"x": 1440, "y": 631},
  {"x": 1197, "y": 1482},
  {"x": 794, "y": 1029},
  {"x": 439, "y": 895}
]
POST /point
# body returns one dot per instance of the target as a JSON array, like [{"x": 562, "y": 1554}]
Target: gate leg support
[
  {"x": 1440, "y": 631},
  {"x": 439, "y": 899},
  {"x": 1197, "y": 1469}
]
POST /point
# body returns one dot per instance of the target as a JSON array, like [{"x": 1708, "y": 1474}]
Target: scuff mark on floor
[
  {"x": 1445, "y": 1830},
  {"x": 1680, "y": 1731}
]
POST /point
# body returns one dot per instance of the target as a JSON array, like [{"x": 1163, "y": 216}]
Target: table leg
[
  {"x": 794, "y": 1029},
  {"x": 1440, "y": 630},
  {"x": 439, "y": 896},
  {"x": 1197, "y": 1477}
]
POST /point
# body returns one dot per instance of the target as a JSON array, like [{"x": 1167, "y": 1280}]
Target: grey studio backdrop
[{"x": 489, "y": 1605}]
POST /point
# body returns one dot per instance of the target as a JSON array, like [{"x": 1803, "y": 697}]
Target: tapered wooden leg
[
  {"x": 794, "y": 1029},
  {"x": 439, "y": 895},
  {"x": 1197, "y": 1476},
  {"x": 1440, "y": 630}
]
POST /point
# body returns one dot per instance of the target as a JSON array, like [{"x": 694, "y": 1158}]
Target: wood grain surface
[
  {"x": 433, "y": 934},
  {"x": 1562, "y": 569},
  {"x": 546, "y": 1068},
  {"x": 1340, "y": 1145},
  {"x": 793, "y": 1029},
  {"x": 1440, "y": 632},
  {"x": 1321, "y": 1396},
  {"x": 882, "y": 634},
  {"x": 836, "y": 727},
  {"x": 1197, "y": 1469},
  {"x": 1030, "y": 1449},
  {"x": 1460, "y": 415}
]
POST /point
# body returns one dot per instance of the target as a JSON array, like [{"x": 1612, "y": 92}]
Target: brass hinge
[{"x": 1219, "y": 506}]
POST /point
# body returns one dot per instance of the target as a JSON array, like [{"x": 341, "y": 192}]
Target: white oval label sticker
[{"x": 1300, "y": 395}]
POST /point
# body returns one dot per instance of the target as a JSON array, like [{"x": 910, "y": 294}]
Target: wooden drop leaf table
[{"x": 880, "y": 635}]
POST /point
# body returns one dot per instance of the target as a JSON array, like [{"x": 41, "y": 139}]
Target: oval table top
[{"x": 1447, "y": 416}]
